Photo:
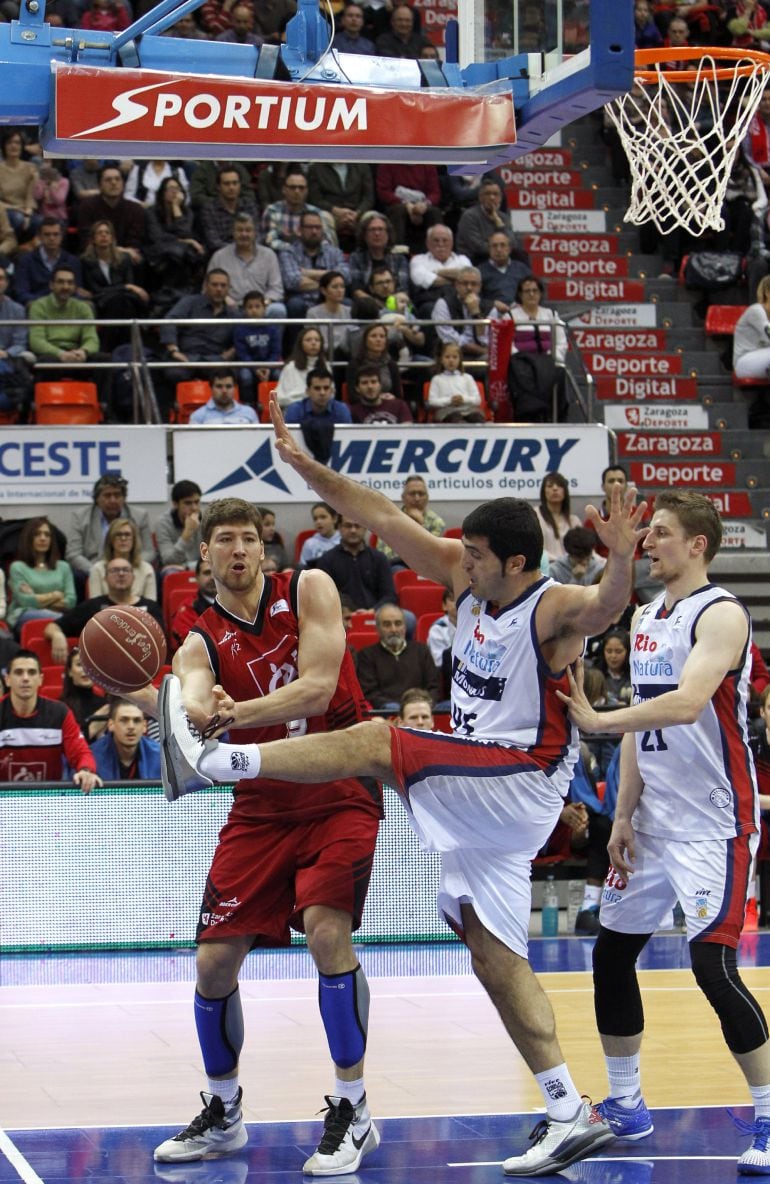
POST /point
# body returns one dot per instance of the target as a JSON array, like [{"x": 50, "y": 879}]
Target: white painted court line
[{"x": 17, "y": 1160}]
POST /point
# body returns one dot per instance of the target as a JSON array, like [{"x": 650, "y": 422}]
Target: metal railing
[{"x": 142, "y": 365}]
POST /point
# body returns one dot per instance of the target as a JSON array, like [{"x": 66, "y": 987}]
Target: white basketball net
[{"x": 681, "y": 140}]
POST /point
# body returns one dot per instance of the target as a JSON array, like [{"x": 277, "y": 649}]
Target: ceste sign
[{"x": 150, "y": 113}]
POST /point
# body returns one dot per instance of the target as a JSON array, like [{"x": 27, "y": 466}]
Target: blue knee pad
[
  {"x": 344, "y": 1003},
  {"x": 220, "y": 1032}
]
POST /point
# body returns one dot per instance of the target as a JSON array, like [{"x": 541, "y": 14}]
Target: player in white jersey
[
  {"x": 686, "y": 820},
  {"x": 488, "y": 796}
]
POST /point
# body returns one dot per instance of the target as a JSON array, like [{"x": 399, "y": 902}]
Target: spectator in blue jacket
[
  {"x": 258, "y": 340},
  {"x": 318, "y": 413},
  {"x": 124, "y": 752},
  {"x": 33, "y": 270}
]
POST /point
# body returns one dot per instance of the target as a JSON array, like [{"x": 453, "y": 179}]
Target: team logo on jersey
[
  {"x": 721, "y": 797},
  {"x": 280, "y": 606},
  {"x": 485, "y": 655},
  {"x": 228, "y": 635}
]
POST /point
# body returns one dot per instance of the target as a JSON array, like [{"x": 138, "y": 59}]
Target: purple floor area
[{"x": 687, "y": 1146}]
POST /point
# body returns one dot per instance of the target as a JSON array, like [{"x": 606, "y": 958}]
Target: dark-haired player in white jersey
[
  {"x": 488, "y": 796},
  {"x": 686, "y": 820}
]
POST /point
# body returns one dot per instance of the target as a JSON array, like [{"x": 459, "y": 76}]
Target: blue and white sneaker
[
  {"x": 755, "y": 1161},
  {"x": 181, "y": 745},
  {"x": 627, "y": 1124}
]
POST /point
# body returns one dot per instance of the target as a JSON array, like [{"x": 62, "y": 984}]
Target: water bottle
[{"x": 550, "y": 913}]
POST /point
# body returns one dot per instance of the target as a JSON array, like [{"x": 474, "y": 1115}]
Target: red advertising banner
[
  {"x": 575, "y": 246},
  {"x": 563, "y": 267},
  {"x": 538, "y": 158},
  {"x": 689, "y": 473},
  {"x": 619, "y": 339},
  {"x": 647, "y": 388},
  {"x": 550, "y": 199},
  {"x": 611, "y": 291},
  {"x": 677, "y": 444},
  {"x": 729, "y": 505},
  {"x": 148, "y": 113},
  {"x": 434, "y": 15},
  {"x": 632, "y": 365},
  {"x": 543, "y": 178}
]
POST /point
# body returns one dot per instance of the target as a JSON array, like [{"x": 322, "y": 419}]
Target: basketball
[{"x": 122, "y": 648}]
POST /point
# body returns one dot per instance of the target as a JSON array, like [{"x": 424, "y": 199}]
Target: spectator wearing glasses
[
  {"x": 374, "y": 248},
  {"x": 123, "y": 542},
  {"x": 281, "y": 219},
  {"x": 465, "y": 304},
  {"x": 119, "y": 579},
  {"x": 303, "y": 263}
]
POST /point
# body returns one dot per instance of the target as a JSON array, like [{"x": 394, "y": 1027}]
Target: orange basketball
[{"x": 122, "y": 648}]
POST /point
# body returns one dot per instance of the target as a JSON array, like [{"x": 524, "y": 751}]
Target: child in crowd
[
  {"x": 255, "y": 343},
  {"x": 308, "y": 353},
  {"x": 276, "y": 558},
  {"x": 453, "y": 396},
  {"x": 326, "y": 522}
]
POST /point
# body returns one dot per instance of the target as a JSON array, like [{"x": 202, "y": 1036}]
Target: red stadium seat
[
  {"x": 424, "y": 623},
  {"x": 422, "y": 598},
  {"x": 171, "y": 582},
  {"x": 358, "y": 638},
  {"x": 721, "y": 319},
  {"x": 299, "y": 541},
  {"x": 66, "y": 403},
  {"x": 362, "y": 621}
]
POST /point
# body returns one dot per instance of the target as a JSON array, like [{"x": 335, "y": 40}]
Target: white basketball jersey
[
  {"x": 502, "y": 688},
  {"x": 698, "y": 778}
]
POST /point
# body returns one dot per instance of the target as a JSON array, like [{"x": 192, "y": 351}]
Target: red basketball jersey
[{"x": 252, "y": 660}]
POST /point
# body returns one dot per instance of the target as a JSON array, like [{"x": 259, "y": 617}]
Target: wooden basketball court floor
[{"x": 99, "y": 1063}]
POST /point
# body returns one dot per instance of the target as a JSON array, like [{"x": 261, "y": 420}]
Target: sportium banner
[
  {"x": 458, "y": 463},
  {"x": 147, "y": 113}
]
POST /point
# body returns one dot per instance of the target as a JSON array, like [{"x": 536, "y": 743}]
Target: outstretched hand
[
  {"x": 620, "y": 531},
  {"x": 286, "y": 446},
  {"x": 581, "y": 712}
]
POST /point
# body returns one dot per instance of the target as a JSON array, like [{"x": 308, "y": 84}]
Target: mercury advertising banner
[
  {"x": 148, "y": 113},
  {"x": 458, "y": 463},
  {"x": 61, "y": 464}
]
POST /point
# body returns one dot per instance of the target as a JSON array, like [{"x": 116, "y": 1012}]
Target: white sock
[
  {"x": 232, "y": 762},
  {"x": 352, "y": 1090},
  {"x": 226, "y": 1087},
  {"x": 562, "y": 1100},
  {"x": 760, "y": 1096},
  {"x": 625, "y": 1081},
  {"x": 591, "y": 895}
]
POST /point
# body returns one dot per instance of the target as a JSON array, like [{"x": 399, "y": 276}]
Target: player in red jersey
[{"x": 269, "y": 657}]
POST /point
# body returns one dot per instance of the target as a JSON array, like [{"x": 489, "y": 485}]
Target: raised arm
[
  {"x": 570, "y": 611},
  {"x": 438, "y": 559}
]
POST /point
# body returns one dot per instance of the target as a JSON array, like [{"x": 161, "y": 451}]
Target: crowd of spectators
[{"x": 363, "y": 246}]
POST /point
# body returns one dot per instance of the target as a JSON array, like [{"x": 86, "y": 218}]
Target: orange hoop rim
[{"x": 752, "y": 58}]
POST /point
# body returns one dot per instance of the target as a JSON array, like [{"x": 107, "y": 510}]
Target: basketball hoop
[{"x": 681, "y": 129}]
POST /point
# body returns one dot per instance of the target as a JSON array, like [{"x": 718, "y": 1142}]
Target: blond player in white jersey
[
  {"x": 488, "y": 795},
  {"x": 686, "y": 820}
]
